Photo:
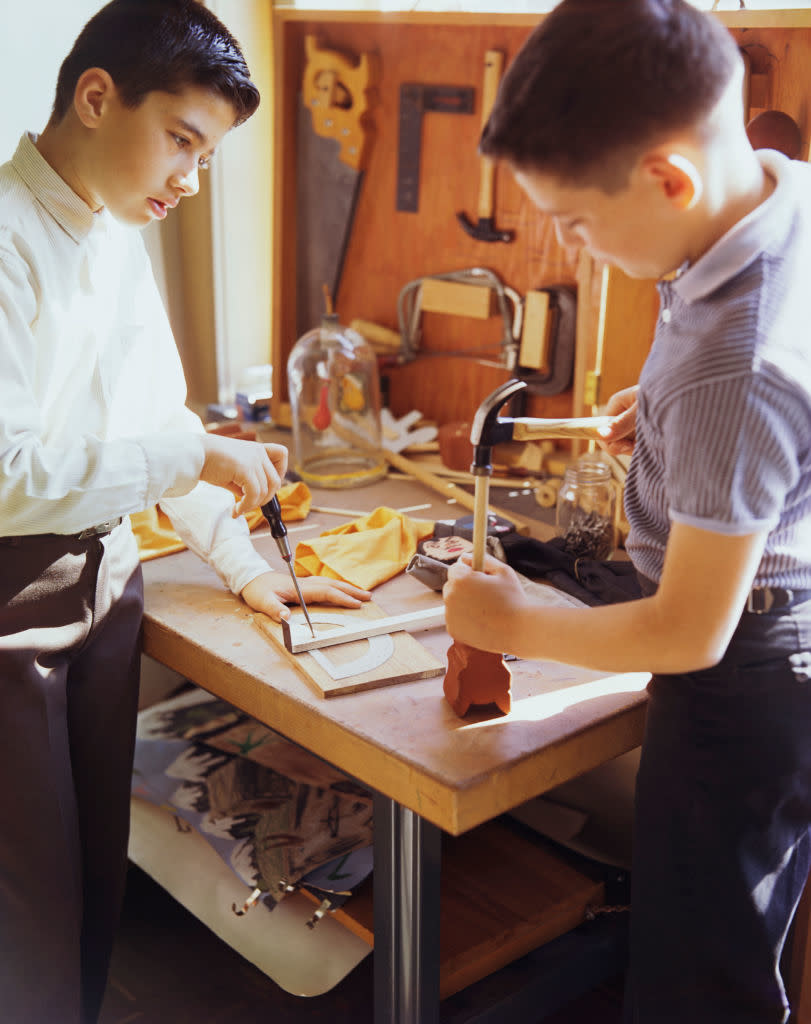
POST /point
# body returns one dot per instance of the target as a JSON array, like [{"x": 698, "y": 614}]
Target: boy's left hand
[
  {"x": 483, "y": 609},
  {"x": 272, "y": 591}
]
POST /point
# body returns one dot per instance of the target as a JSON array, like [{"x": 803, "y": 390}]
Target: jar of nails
[{"x": 586, "y": 514}]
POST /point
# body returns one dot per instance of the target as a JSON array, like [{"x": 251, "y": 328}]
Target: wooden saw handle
[{"x": 336, "y": 91}]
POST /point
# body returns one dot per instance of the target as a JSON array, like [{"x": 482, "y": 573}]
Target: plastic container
[
  {"x": 587, "y": 509},
  {"x": 334, "y": 390}
]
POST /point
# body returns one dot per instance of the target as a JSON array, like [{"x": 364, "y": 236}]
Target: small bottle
[
  {"x": 587, "y": 509},
  {"x": 335, "y": 405}
]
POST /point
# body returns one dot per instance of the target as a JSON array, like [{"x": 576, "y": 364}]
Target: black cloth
[
  {"x": 70, "y": 619},
  {"x": 592, "y": 582}
]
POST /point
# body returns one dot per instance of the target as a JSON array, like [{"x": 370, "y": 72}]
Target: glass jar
[
  {"x": 587, "y": 509},
  {"x": 335, "y": 406}
]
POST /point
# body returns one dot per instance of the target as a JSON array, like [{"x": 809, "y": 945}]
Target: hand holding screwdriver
[{"x": 272, "y": 511}]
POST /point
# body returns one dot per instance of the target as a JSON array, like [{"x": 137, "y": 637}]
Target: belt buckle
[
  {"x": 99, "y": 529},
  {"x": 762, "y": 599}
]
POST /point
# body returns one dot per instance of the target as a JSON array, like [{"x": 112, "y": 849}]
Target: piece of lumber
[
  {"x": 457, "y": 298},
  {"x": 536, "y": 332},
  {"x": 503, "y": 894},
  {"x": 298, "y": 641},
  {"x": 409, "y": 660},
  {"x": 450, "y": 490}
]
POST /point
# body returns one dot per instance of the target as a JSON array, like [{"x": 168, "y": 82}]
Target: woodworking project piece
[
  {"x": 297, "y": 637},
  {"x": 475, "y": 678},
  {"x": 407, "y": 661}
]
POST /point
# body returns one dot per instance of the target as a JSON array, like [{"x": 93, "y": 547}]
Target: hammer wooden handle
[
  {"x": 493, "y": 65},
  {"x": 528, "y": 428}
]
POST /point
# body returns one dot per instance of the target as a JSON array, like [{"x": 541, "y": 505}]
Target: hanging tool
[
  {"x": 272, "y": 511},
  {"x": 417, "y": 99},
  {"x": 333, "y": 141},
  {"x": 410, "y": 305},
  {"x": 484, "y": 230}
]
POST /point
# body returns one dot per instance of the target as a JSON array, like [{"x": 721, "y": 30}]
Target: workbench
[{"x": 430, "y": 770}]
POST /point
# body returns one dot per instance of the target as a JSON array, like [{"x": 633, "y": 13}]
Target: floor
[{"x": 169, "y": 969}]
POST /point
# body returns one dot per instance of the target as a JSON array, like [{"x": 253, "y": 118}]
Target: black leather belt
[{"x": 766, "y": 599}]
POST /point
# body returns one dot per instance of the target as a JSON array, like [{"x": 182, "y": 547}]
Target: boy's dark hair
[
  {"x": 598, "y": 79},
  {"x": 164, "y": 45}
]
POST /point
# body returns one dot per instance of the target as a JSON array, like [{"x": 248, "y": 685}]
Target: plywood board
[
  {"x": 503, "y": 894},
  {"x": 407, "y": 661}
]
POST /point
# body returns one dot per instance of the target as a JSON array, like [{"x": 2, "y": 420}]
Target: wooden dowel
[{"x": 480, "y": 521}]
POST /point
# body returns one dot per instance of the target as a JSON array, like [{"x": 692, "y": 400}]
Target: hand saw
[{"x": 333, "y": 142}]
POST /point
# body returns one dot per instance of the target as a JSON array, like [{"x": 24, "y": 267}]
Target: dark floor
[{"x": 170, "y": 969}]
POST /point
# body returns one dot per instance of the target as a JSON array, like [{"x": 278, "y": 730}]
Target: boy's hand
[
  {"x": 483, "y": 609},
  {"x": 272, "y": 591},
  {"x": 254, "y": 468},
  {"x": 619, "y": 438}
]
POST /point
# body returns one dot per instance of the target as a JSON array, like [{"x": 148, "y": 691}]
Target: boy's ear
[
  {"x": 678, "y": 177},
  {"x": 94, "y": 91}
]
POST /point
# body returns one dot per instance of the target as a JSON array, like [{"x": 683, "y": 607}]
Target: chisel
[{"x": 272, "y": 511}]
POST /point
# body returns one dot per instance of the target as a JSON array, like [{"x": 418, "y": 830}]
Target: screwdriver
[{"x": 272, "y": 511}]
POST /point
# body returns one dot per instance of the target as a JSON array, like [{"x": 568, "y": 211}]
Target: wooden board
[
  {"x": 409, "y": 661},
  {"x": 503, "y": 894}
]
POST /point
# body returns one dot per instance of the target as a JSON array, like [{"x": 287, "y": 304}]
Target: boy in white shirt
[{"x": 93, "y": 426}]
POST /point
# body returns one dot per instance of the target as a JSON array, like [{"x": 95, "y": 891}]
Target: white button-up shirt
[{"x": 93, "y": 422}]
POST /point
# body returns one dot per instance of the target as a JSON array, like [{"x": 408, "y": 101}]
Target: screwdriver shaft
[{"x": 272, "y": 511}]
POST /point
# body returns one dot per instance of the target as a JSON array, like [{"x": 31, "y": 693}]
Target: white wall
[{"x": 35, "y": 37}]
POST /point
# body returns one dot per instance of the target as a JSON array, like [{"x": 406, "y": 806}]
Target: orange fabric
[
  {"x": 366, "y": 551},
  {"x": 156, "y": 536}
]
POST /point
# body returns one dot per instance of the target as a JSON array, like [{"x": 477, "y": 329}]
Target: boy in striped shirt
[{"x": 624, "y": 123}]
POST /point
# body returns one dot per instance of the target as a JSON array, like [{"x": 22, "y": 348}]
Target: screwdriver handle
[{"x": 272, "y": 511}]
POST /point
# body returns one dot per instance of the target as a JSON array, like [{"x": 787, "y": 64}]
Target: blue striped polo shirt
[{"x": 723, "y": 428}]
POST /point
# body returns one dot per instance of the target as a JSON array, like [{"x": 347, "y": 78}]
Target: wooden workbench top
[{"x": 402, "y": 740}]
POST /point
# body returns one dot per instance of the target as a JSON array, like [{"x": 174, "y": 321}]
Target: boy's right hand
[
  {"x": 252, "y": 467},
  {"x": 619, "y": 438}
]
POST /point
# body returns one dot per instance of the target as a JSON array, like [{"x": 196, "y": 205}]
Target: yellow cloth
[
  {"x": 156, "y": 536},
  {"x": 366, "y": 551}
]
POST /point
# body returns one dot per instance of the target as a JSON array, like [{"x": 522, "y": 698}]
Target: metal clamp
[{"x": 409, "y": 312}]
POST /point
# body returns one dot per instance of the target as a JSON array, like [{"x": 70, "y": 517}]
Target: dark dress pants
[
  {"x": 721, "y": 842},
  {"x": 70, "y": 618}
]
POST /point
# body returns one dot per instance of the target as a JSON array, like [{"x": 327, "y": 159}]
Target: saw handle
[{"x": 336, "y": 92}]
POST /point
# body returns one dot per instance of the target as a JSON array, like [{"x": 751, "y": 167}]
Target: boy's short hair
[
  {"x": 159, "y": 45},
  {"x": 597, "y": 80}
]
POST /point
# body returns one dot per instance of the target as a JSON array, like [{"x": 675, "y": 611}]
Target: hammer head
[
  {"x": 488, "y": 428},
  {"x": 484, "y": 230}
]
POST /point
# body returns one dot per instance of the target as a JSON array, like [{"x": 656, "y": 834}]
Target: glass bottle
[
  {"x": 587, "y": 508},
  {"x": 335, "y": 406}
]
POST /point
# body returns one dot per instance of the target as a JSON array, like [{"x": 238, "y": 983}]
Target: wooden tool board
[{"x": 409, "y": 660}]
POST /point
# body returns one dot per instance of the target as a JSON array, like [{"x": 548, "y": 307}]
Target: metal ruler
[{"x": 416, "y": 100}]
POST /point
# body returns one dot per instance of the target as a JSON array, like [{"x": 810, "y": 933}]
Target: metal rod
[{"x": 408, "y": 854}]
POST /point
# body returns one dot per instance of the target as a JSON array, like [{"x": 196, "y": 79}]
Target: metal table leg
[{"x": 407, "y": 852}]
